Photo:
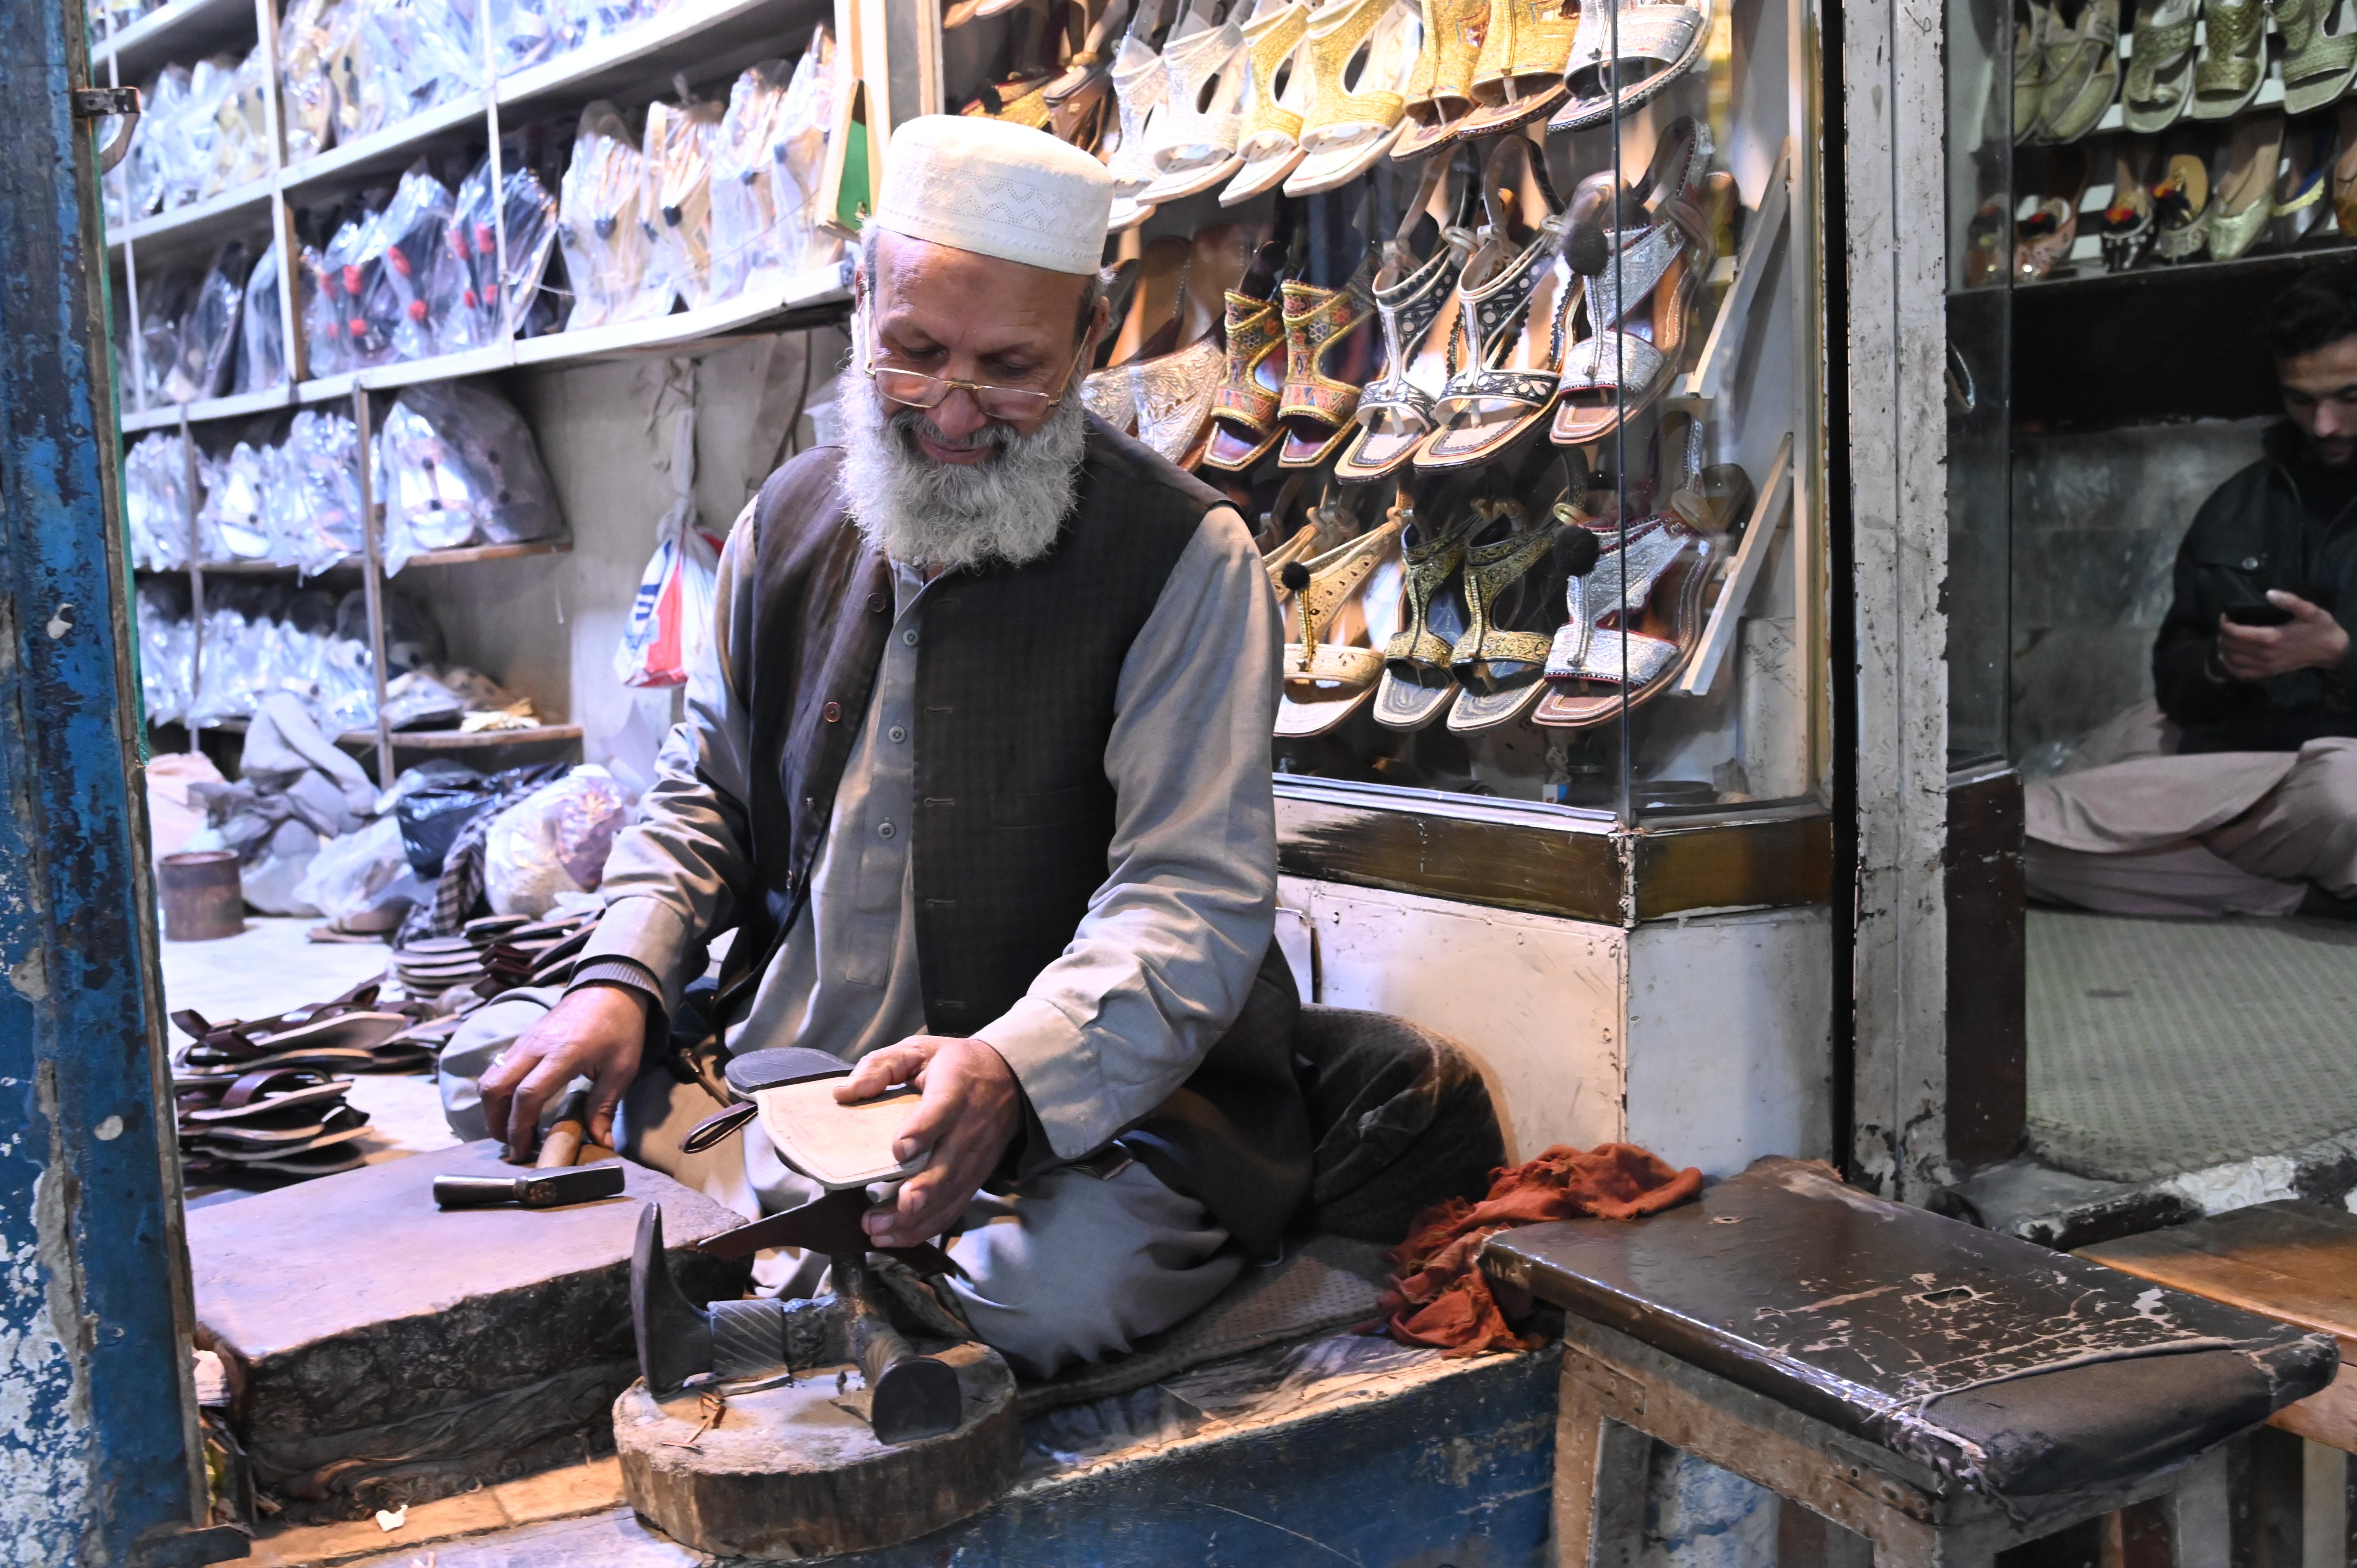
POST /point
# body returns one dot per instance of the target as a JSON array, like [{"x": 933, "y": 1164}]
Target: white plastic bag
[
  {"x": 554, "y": 840},
  {"x": 670, "y": 618},
  {"x": 349, "y": 873}
]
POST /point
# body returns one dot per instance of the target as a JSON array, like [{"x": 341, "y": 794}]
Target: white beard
[{"x": 948, "y": 516}]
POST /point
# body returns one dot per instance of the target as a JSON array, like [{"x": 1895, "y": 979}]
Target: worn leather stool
[{"x": 1944, "y": 1392}]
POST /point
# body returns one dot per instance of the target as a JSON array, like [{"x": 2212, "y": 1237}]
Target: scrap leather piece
[
  {"x": 2009, "y": 1368},
  {"x": 1442, "y": 1300}
]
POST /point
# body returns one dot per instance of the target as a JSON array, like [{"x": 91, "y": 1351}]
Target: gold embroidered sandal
[
  {"x": 1440, "y": 90},
  {"x": 1342, "y": 615},
  {"x": 1243, "y": 410},
  {"x": 1416, "y": 685},
  {"x": 1514, "y": 602},
  {"x": 1518, "y": 76},
  {"x": 1362, "y": 54},
  {"x": 2233, "y": 60},
  {"x": 1330, "y": 348},
  {"x": 1276, "y": 87}
]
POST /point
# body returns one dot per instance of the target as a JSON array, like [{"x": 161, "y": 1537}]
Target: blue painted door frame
[{"x": 99, "y": 1459}]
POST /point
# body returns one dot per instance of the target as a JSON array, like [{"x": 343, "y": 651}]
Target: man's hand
[
  {"x": 968, "y": 1115},
  {"x": 2311, "y": 640},
  {"x": 598, "y": 1033}
]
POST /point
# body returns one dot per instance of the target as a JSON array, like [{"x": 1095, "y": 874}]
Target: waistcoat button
[
  {"x": 832, "y": 713},
  {"x": 898, "y": 734},
  {"x": 884, "y": 829},
  {"x": 2250, "y": 563},
  {"x": 875, "y": 603}
]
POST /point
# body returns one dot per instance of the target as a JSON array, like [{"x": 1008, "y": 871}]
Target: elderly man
[
  {"x": 977, "y": 771},
  {"x": 2235, "y": 792}
]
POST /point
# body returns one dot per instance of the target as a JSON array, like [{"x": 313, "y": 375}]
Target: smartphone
[{"x": 2259, "y": 613}]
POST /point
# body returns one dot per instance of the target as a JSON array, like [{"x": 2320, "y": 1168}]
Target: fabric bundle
[{"x": 1440, "y": 1298}]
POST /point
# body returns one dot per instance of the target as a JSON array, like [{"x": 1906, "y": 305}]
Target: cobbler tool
[
  {"x": 835, "y": 1434},
  {"x": 542, "y": 1189}
]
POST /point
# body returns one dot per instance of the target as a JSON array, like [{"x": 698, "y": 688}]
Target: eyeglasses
[{"x": 1013, "y": 405}]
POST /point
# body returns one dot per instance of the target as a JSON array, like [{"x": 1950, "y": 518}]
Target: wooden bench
[
  {"x": 2296, "y": 1262},
  {"x": 1941, "y": 1392}
]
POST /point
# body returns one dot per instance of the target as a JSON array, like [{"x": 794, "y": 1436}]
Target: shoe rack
[
  {"x": 707, "y": 40},
  {"x": 1631, "y": 943}
]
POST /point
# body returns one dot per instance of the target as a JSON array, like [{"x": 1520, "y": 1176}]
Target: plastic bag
[
  {"x": 411, "y": 234},
  {"x": 526, "y": 32},
  {"x": 435, "y": 811},
  {"x": 597, "y": 219},
  {"x": 554, "y": 840},
  {"x": 155, "y": 501},
  {"x": 163, "y": 100},
  {"x": 349, "y": 873},
  {"x": 205, "y": 363},
  {"x": 670, "y": 618},
  {"x": 320, "y": 490},
  {"x": 461, "y": 291},
  {"x": 191, "y": 169},
  {"x": 261, "y": 348},
  {"x": 460, "y": 464},
  {"x": 677, "y": 209},
  {"x": 307, "y": 93},
  {"x": 744, "y": 194},
  {"x": 530, "y": 214},
  {"x": 233, "y": 509},
  {"x": 241, "y": 139},
  {"x": 339, "y": 278},
  {"x": 422, "y": 50},
  {"x": 799, "y": 159},
  {"x": 359, "y": 88}
]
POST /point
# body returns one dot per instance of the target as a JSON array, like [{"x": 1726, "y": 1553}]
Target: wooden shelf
[
  {"x": 200, "y": 224},
  {"x": 703, "y": 39},
  {"x": 424, "y": 740},
  {"x": 238, "y": 406},
  {"x": 462, "y": 556},
  {"x": 183, "y": 30},
  {"x": 390, "y": 148}
]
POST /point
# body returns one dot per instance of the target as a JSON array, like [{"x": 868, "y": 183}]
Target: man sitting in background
[{"x": 2237, "y": 791}]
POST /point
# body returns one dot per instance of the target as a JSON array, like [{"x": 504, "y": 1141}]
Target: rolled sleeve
[{"x": 1161, "y": 962}]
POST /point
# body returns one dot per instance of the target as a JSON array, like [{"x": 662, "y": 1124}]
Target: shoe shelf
[
  {"x": 463, "y": 556},
  {"x": 388, "y": 150},
  {"x": 200, "y": 224},
  {"x": 423, "y": 740},
  {"x": 183, "y": 30},
  {"x": 237, "y": 405},
  {"x": 705, "y": 40}
]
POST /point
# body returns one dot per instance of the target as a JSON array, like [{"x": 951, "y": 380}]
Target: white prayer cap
[{"x": 996, "y": 189}]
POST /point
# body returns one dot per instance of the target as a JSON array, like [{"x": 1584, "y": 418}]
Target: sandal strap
[
  {"x": 1657, "y": 34},
  {"x": 1332, "y": 109},
  {"x": 1645, "y": 259},
  {"x": 1611, "y": 359},
  {"x": 1333, "y": 580},
  {"x": 2226, "y": 71},
  {"x": 1489, "y": 570},
  {"x": 1608, "y": 655},
  {"x": 1173, "y": 396},
  {"x": 1537, "y": 388},
  {"x": 2328, "y": 54},
  {"x": 2151, "y": 51},
  {"x": 1106, "y": 394},
  {"x": 1269, "y": 41},
  {"x": 1255, "y": 330},
  {"x": 1429, "y": 563}
]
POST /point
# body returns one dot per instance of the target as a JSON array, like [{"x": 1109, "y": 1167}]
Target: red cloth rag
[{"x": 1441, "y": 1299}]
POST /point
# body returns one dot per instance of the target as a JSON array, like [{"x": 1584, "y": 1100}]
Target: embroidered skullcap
[{"x": 996, "y": 189}]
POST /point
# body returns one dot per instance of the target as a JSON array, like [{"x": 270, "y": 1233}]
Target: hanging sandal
[
  {"x": 1440, "y": 88},
  {"x": 2129, "y": 224},
  {"x": 1342, "y": 614},
  {"x": 2232, "y": 64},
  {"x": 1243, "y": 410},
  {"x": 2245, "y": 197},
  {"x": 1330, "y": 346},
  {"x": 1354, "y": 116},
  {"x": 2318, "y": 66},
  {"x": 2085, "y": 77},
  {"x": 2180, "y": 208},
  {"x": 1514, "y": 603},
  {"x": 1640, "y": 285},
  {"x": 1021, "y": 97},
  {"x": 1193, "y": 137},
  {"x": 1147, "y": 330},
  {"x": 2160, "y": 84},
  {"x": 1647, "y": 583},
  {"x": 1081, "y": 100},
  {"x": 1416, "y": 685},
  {"x": 1139, "y": 87},
  {"x": 2042, "y": 241},
  {"x": 2029, "y": 67},
  {"x": 2299, "y": 198},
  {"x": 1419, "y": 307},
  {"x": 1513, "y": 304},
  {"x": 1658, "y": 43},
  {"x": 1277, "y": 84},
  {"x": 1518, "y": 75}
]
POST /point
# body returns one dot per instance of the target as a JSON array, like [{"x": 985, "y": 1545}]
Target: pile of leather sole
[
  {"x": 496, "y": 953},
  {"x": 263, "y": 1098}
]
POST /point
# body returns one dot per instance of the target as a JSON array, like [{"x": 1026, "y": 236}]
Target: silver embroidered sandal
[
  {"x": 1417, "y": 303},
  {"x": 1657, "y": 43},
  {"x": 1647, "y": 584}
]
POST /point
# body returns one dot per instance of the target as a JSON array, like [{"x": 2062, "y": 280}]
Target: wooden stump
[{"x": 788, "y": 1473}]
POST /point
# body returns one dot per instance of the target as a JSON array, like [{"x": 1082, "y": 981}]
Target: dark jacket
[
  {"x": 1015, "y": 696},
  {"x": 2253, "y": 534}
]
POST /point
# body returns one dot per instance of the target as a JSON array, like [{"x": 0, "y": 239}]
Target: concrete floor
[{"x": 272, "y": 966}]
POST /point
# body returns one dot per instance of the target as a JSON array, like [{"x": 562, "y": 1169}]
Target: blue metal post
[{"x": 99, "y": 1461}]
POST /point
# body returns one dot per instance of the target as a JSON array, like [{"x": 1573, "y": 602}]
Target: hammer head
[{"x": 675, "y": 1335}]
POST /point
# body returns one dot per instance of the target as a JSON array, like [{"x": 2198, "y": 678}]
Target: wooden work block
[
  {"x": 795, "y": 1471},
  {"x": 2293, "y": 1260},
  {"x": 374, "y": 1341}
]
